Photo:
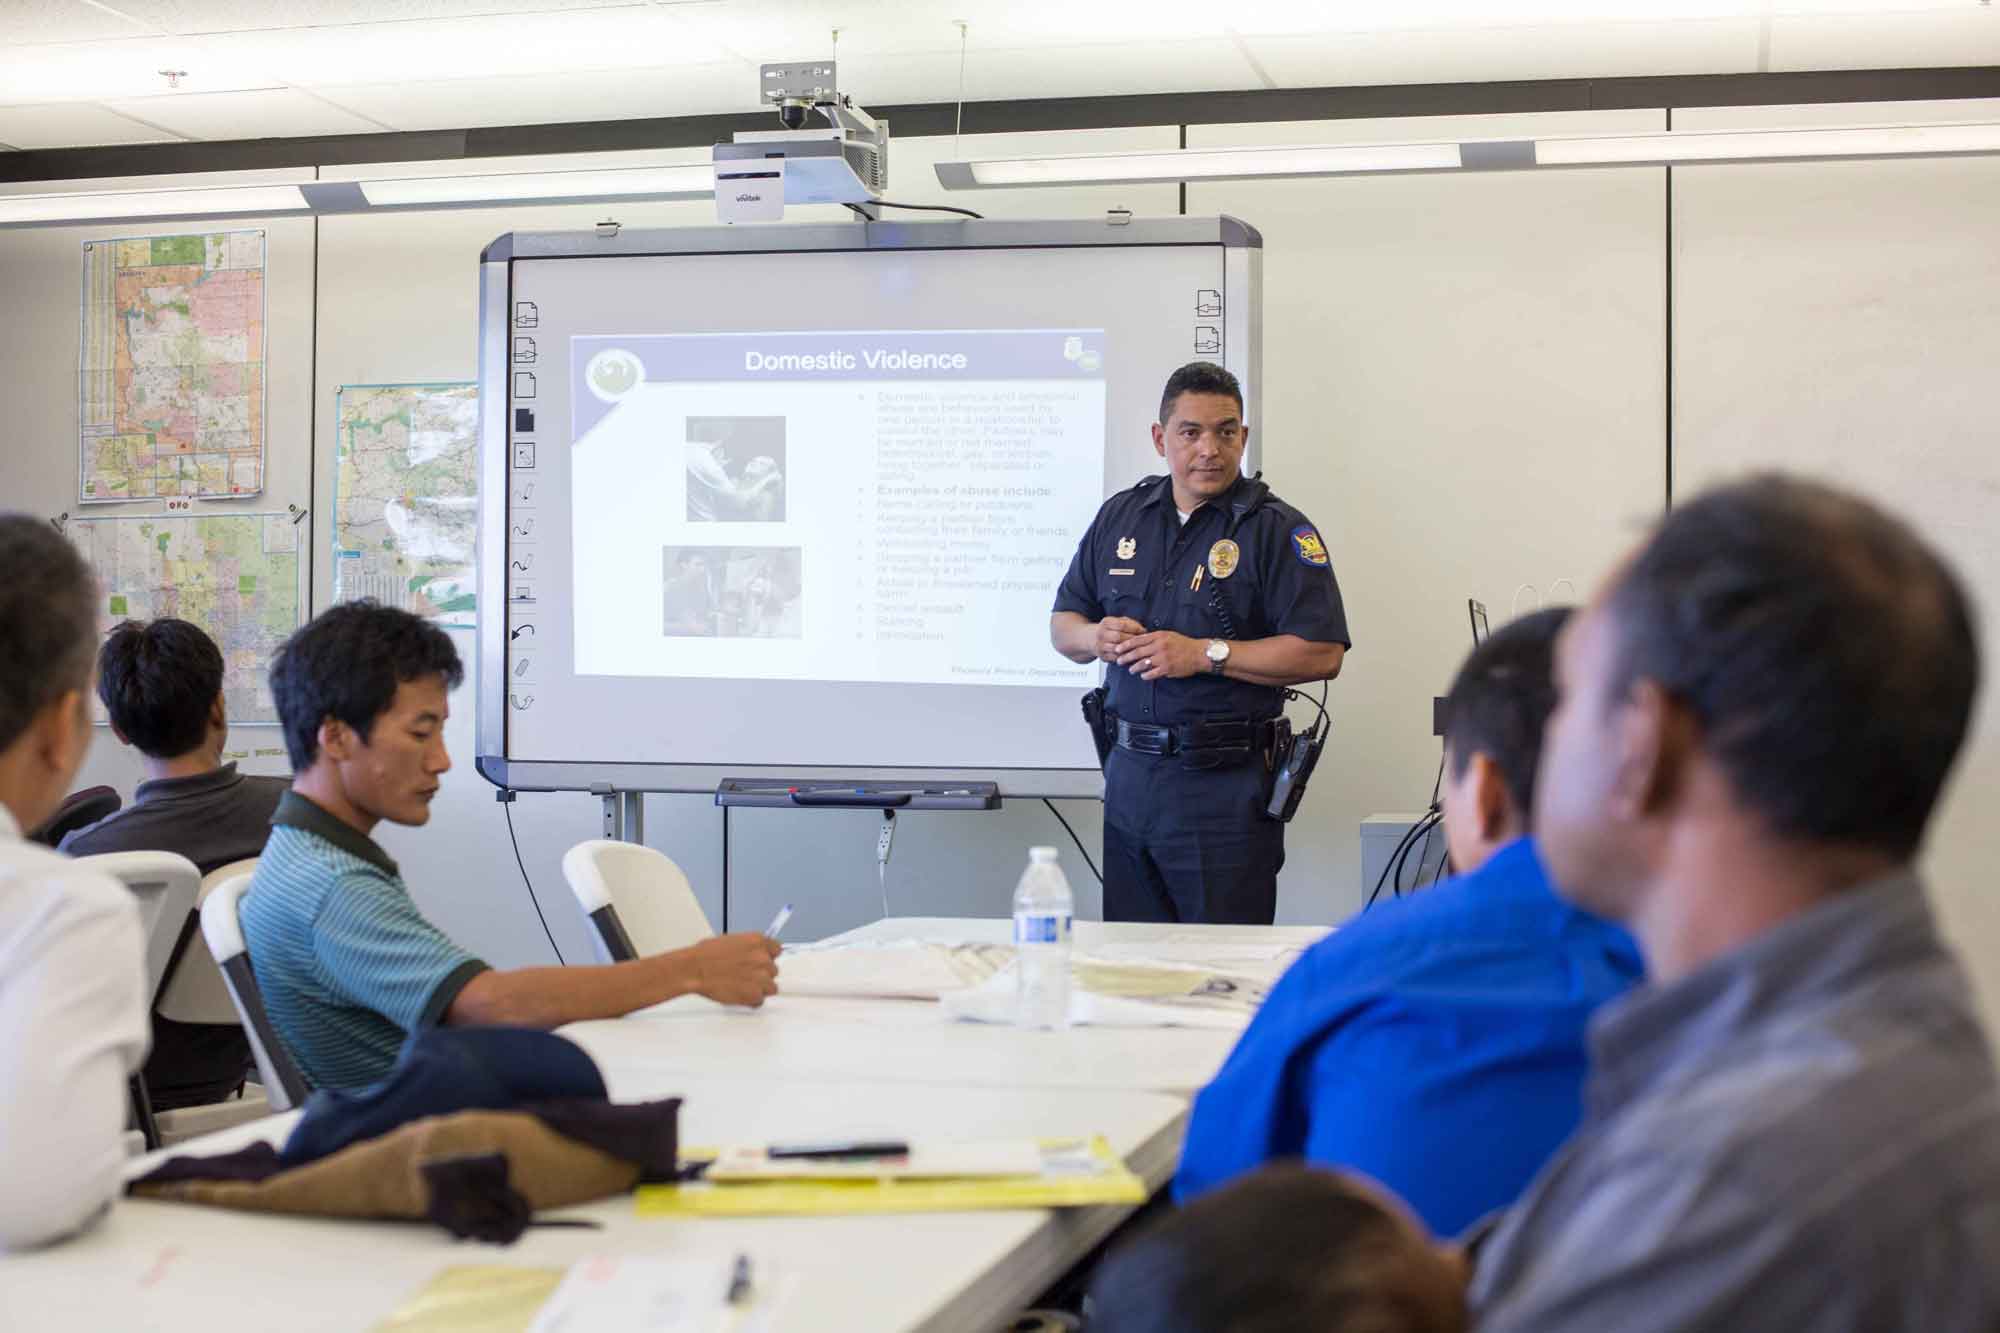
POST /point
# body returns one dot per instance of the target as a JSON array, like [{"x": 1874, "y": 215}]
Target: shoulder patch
[{"x": 1307, "y": 546}]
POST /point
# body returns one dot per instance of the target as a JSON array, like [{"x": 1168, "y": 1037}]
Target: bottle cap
[{"x": 1041, "y": 853}]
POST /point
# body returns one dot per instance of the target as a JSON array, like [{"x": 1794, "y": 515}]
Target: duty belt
[{"x": 1221, "y": 741}]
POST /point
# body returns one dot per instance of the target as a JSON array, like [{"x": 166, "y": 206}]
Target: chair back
[
  {"x": 284, "y": 1085},
  {"x": 165, "y": 886},
  {"x": 638, "y": 900},
  {"x": 79, "y": 809},
  {"x": 196, "y": 991}
]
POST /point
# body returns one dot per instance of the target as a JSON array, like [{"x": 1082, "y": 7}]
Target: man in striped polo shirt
[{"x": 347, "y": 964}]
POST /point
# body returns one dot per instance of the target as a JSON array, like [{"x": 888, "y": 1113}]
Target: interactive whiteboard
[{"x": 794, "y": 500}]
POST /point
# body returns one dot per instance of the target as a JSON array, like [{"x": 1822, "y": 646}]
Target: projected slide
[{"x": 845, "y": 505}]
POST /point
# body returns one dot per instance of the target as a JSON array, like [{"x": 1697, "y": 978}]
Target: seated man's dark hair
[
  {"x": 158, "y": 681},
  {"x": 1286, "y": 1249},
  {"x": 1501, "y": 699},
  {"x": 1827, "y": 653},
  {"x": 1199, "y": 377},
  {"x": 347, "y": 663},
  {"x": 48, "y": 621}
]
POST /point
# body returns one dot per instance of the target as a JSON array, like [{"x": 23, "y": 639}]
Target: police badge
[
  {"x": 1222, "y": 558},
  {"x": 1127, "y": 548}
]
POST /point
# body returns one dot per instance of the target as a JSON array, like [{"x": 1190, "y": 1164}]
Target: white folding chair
[
  {"x": 284, "y": 1085},
  {"x": 197, "y": 993},
  {"x": 638, "y": 899},
  {"x": 165, "y": 886}
]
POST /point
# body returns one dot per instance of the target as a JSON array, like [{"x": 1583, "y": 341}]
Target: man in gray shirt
[
  {"x": 161, "y": 682},
  {"x": 1795, "y": 1124}
]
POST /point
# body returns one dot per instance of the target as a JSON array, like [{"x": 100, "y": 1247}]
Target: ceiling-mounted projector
[{"x": 761, "y": 171}]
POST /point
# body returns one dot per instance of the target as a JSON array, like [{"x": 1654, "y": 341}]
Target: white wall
[
  {"x": 1839, "y": 319},
  {"x": 1464, "y": 387}
]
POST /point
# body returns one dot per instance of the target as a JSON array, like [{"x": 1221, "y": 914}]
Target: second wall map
[{"x": 406, "y": 497}]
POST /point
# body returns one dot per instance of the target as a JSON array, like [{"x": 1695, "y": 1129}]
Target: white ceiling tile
[
  {"x": 193, "y": 16},
  {"x": 1606, "y": 50},
  {"x": 533, "y": 100},
  {"x": 1048, "y": 71},
  {"x": 773, "y": 30},
  {"x": 522, "y": 45},
  {"x": 264, "y": 113},
  {"x": 1886, "y": 41},
  {"x": 102, "y": 71},
  {"x": 27, "y": 21},
  {"x": 71, "y": 125},
  {"x": 1268, "y": 17}
]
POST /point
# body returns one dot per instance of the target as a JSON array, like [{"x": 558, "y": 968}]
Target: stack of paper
[
  {"x": 1121, "y": 994},
  {"x": 899, "y": 970},
  {"x": 1070, "y": 1173},
  {"x": 612, "y": 1291}
]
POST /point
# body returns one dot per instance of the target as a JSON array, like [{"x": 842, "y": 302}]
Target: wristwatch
[{"x": 1218, "y": 655}]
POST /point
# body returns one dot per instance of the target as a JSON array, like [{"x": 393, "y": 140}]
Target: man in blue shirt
[{"x": 1437, "y": 1042}]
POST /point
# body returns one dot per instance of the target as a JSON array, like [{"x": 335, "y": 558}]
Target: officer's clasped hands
[
  {"x": 1113, "y": 632},
  {"x": 1163, "y": 654}
]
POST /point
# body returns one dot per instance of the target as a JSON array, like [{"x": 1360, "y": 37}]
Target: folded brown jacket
[{"x": 476, "y": 1173}]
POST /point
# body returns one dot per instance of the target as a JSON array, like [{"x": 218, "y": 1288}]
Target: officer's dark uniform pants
[{"x": 1185, "y": 844}]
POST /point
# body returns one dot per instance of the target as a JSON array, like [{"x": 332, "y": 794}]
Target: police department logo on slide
[
  {"x": 1308, "y": 547},
  {"x": 613, "y": 373},
  {"x": 1083, "y": 358}
]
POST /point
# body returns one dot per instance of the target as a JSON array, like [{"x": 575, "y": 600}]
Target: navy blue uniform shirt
[
  {"x": 1139, "y": 560},
  {"x": 1436, "y": 1044}
]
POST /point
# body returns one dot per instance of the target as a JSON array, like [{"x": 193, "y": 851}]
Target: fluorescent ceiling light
[
  {"x": 1769, "y": 145},
  {"x": 215, "y": 202},
  {"x": 1186, "y": 164},
  {"x": 694, "y": 181},
  {"x": 1602, "y": 150}
]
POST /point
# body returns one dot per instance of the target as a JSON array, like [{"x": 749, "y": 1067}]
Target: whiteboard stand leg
[{"x": 624, "y": 815}]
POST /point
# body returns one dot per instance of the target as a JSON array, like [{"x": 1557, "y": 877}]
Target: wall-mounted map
[
  {"x": 406, "y": 497},
  {"x": 171, "y": 367},
  {"x": 235, "y": 575}
]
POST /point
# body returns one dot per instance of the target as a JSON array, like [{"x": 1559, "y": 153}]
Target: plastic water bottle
[{"x": 1043, "y": 910}]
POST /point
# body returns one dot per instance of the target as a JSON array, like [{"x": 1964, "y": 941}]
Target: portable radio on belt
[
  {"x": 1297, "y": 753},
  {"x": 1296, "y": 757}
]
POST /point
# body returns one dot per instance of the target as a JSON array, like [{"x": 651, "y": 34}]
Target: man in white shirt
[{"x": 72, "y": 956}]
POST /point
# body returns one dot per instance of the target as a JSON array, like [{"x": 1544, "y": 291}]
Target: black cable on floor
[
  {"x": 508, "y": 808},
  {"x": 1073, "y": 838}
]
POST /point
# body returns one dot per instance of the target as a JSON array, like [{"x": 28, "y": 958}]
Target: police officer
[{"x": 1206, "y": 595}]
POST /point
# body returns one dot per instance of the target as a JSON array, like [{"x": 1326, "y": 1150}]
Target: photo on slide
[
  {"x": 733, "y": 592},
  {"x": 736, "y": 469}
]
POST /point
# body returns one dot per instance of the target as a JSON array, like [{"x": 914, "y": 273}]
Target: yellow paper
[
  {"x": 475, "y": 1298},
  {"x": 1104, "y": 1180}
]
